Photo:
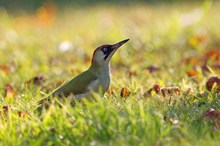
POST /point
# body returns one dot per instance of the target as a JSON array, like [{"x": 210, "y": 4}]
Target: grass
[{"x": 160, "y": 35}]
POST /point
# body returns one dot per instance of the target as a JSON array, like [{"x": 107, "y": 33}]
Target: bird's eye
[{"x": 105, "y": 49}]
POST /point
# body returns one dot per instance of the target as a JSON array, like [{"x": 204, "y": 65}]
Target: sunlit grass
[{"x": 58, "y": 44}]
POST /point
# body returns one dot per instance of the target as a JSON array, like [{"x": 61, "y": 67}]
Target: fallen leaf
[
  {"x": 148, "y": 93},
  {"x": 4, "y": 68},
  {"x": 156, "y": 88},
  {"x": 214, "y": 115},
  {"x": 170, "y": 91},
  {"x": 214, "y": 53},
  {"x": 211, "y": 81},
  {"x": 23, "y": 114},
  {"x": 125, "y": 92},
  {"x": 38, "y": 80},
  {"x": 9, "y": 90},
  {"x": 192, "y": 73},
  {"x": 112, "y": 91},
  {"x": 165, "y": 117},
  {"x": 153, "y": 68},
  {"x": 5, "y": 110}
]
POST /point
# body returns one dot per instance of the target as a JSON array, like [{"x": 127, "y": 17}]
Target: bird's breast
[
  {"x": 105, "y": 82},
  {"x": 100, "y": 84}
]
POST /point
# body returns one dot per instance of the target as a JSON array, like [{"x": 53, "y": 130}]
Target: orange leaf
[
  {"x": 125, "y": 92},
  {"x": 46, "y": 14},
  {"x": 9, "y": 90},
  {"x": 191, "y": 73},
  {"x": 214, "y": 54},
  {"x": 23, "y": 114},
  {"x": 211, "y": 81},
  {"x": 112, "y": 90},
  {"x": 4, "y": 68}
]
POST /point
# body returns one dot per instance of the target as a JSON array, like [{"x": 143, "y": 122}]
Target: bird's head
[{"x": 103, "y": 54}]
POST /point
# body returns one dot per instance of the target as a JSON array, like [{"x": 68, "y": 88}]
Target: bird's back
[{"x": 78, "y": 85}]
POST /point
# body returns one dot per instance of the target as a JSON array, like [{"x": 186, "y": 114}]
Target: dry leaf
[
  {"x": 192, "y": 73},
  {"x": 23, "y": 114},
  {"x": 9, "y": 90},
  {"x": 165, "y": 117},
  {"x": 148, "y": 93},
  {"x": 5, "y": 110},
  {"x": 214, "y": 115},
  {"x": 214, "y": 53},
  {"x": 156, "y": 88},
  {"x": 170, "y": 91},
  {"x": 4, "y": 68},
  {"x": 125, "y": 92},
  {"x": 211, "y": 81},
  {"x": 153, "y": 68},
  {"x": 112, "y": 91},
  {"x": 162, "y": 90},
  {"x": 38, "y": 80}
]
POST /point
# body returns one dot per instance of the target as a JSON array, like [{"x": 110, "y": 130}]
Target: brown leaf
[
  {"x": 165, "y": 117},
  {"x": 125, "y": 92},
  {"x": 211, "y": 81},
  {"x": 112, "y": 90},
  {"x": 153, "y": 68},
  {"x": 156, "y": 88},
  {"x": 23, "y": 114},
  {"x": 192, "y": 73},
  {"x": 4, "y": 68},
  {"x": 214, "y": 53},
  {"x": 9, "y": 90},
  {"x": 132, "y": 73},
  {"x": 162, "y": 90},
  {"x": 170, "y": 91},
  {"x": 38, "y": 80},
  {"x": 214, "y": 115},
  {"x": 148, "y": 93},
  {"x": 5, "y": 110}
]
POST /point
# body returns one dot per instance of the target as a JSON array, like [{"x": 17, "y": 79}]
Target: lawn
[{"x": 159, "y": 94}]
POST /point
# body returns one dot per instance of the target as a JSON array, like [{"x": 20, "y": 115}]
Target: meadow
[{"x": 159, "y": 94}]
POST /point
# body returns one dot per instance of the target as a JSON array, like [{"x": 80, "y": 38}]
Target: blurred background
[
  {"x": 33, "y": 5},
  {"x": 57, "y": 37}
]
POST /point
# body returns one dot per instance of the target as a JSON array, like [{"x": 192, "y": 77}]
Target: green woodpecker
[{"x": 95, "y": 79}]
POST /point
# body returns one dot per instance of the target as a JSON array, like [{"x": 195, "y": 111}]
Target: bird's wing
[{"x": 78, "y": 85}]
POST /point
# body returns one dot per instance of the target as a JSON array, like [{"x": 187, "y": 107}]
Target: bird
[{"x": 96, "y": 79}]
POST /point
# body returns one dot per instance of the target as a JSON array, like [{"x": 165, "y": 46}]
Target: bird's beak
[
  {"x": 119, "y": 44},
  {"x": 114, "y": 48}
]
